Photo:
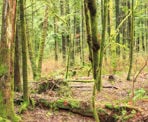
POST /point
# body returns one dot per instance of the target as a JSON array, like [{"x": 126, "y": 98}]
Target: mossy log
[{"x": 108, "y": 113}]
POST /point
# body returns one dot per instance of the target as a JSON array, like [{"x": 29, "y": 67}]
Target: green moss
[
  {"x": 4, "y": 120},
  {"x": 109, "y": 106},
  {"x": 69, "y": 102},
  {"x": 45, "y": 102},
  {"x": 3, "y": 69},
  {"x": 100, "y": 110},
  {"x": 32, "y": 102},
  {"x": 2, "y": 107},
  {"x": 16, "y": 118}
]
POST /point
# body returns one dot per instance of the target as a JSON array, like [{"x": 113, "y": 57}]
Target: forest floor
[{"x": 119, "y": 94}]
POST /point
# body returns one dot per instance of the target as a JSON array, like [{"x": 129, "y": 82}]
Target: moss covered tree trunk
[
  {"x": 99, "y": 79},
  {"x": 42, "y": 42},
  {"x": 88, "y": 29},
  {"x": 92, "y": 6},
  {"x": 55, "y": 39},
  {"x": 82, "y": 30},
  {"x": 24, "y": 51},
  {"x": 117, "y": 24},
  {"x": 62, "y": 12},
  {"x": 131, "y": 32},
  {"x": 31, "y": 54},
  {"x": 92, "y": 39},
  {"x": 6, "y": 68},
  {"x": 17, "y": 77}
]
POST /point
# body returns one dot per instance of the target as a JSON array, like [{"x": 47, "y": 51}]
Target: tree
[
  {"x": 62, "y": 12},
  {"x": 17, "y": 77},
  {"x": 92, "y": 6},
  {"x": 92, "y": 39},
  {"x": 82, "y": 27},
  {"x": 102, "y": 45},
  {"x": 117, "y": 24},
  {"x": 131, "y": 27},
  {"x": 6, "y": 67},
  {"x": 24, "y": 52},
  {"x": 42, "y": 42},
  {"x": 17, "y": 55}
]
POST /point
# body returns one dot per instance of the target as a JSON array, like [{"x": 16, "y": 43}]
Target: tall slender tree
[
  {"x": 24, "y": 52},
  {"x": 102, "y": 45},
  {"x": 131, "y": 40},
  {"x": 42, "y": 41},
  {"x": 117, "y": 23},
  {"x": 62, "y": 12},
  {"x": 82, "y": 27},
  {"x": 17, "y": 77},
  {"x": 92, "y": 39}
]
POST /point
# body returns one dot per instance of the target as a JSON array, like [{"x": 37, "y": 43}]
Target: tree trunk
[
  {"x": 82, "y": 26},
  {"x": 117, "y": 24},
  {"x": 55, "y": 39},
  {"x": 102, "y": 46},
  {"x": 42, "y": 42},
  {"x": 24, "y": 52},
  {"x": 94, "y": 29},
  {"x": 88, "y": 30},
  {"x": 63, "y": 34},
  {"x": 31, "y": 54},
  {"x": 17, "y": 77},
  {"x": 131, "y": 40},
  {"x": 6, "y": 67}
]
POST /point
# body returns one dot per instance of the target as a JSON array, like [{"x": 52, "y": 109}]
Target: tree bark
[
  {"x": 24, "y": 52},
  {"x": 6, "y": 67},
  {"x": 17, "y": 77}
]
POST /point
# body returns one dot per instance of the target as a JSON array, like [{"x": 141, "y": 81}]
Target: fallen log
[
  {"x": 82, "y": 81},
  {"x": 106, "y": 113}
]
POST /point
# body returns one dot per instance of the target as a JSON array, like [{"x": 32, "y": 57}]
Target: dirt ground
[{"x": 119, "y": 94}]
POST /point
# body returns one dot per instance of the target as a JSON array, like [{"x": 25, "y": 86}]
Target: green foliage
[
  {"x": 139, "y": 94},
  {"x": 23, "y": 107},
  {"x": 124, "y": 116},
  {"x": 121, "y": 113},
  {"x": 53, "y": 106},
  {"x": 32, "y": 102},
  {"x": 4, "y": 120}
]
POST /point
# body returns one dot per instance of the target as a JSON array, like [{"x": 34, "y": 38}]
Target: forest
[{"x": 74, "y": 61}]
